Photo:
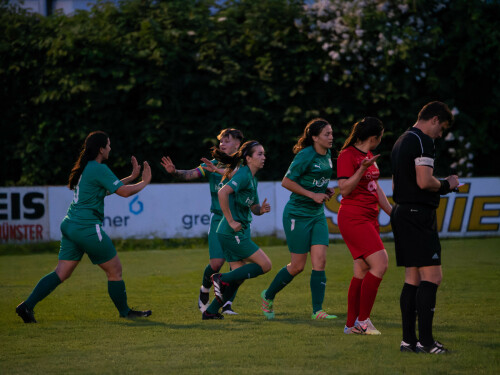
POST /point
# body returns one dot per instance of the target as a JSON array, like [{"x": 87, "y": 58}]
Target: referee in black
[{"x": 413, "y": 219}]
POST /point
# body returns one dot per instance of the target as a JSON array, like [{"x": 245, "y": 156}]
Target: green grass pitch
[{"x": 79, "y": 331}]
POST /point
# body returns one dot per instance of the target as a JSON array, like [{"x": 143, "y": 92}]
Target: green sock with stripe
[
  {"x": 318, "y": 286},
  {"x": 282, "y": 279},
  {"x": 248, "y": 271}
]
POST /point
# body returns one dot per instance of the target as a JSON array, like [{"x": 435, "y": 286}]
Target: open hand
[{"x": 166, "y": 162}]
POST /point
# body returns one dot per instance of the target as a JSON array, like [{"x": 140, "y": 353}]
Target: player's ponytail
[
  {"x": 90, "y": 149},
  {"x": 362, "y": 130},
  {"x": 313, "y": 128},
  {"x": 234, "y": 160}
]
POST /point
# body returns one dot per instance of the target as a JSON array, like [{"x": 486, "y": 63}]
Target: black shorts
[{"x": 415, "y": 235}]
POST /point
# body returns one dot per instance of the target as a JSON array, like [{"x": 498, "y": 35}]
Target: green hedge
[{"x": 163, "y": 78}]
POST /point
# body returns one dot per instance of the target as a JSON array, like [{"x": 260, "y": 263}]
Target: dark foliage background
[{"x": 164, "y": 77}]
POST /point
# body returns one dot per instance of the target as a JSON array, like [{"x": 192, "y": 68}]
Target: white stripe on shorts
[
  {"x": 293, "y": 224},
  {"x": 98, "y": 230},
  {"x": 237, "y": 239}
]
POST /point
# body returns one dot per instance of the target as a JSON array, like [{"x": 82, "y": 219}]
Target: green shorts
[
  {"x": 78, "y": 239},
  {"x": 237, "y": 247},
  {"x": 214, "y": 247},
  {"x": 302, "y": 233}
]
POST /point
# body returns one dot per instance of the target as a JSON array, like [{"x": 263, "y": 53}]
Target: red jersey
[{"x": 365, "y": 193}]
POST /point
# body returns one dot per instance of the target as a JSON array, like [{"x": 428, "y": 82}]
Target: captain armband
[
  {"x": 444, "y": 188},
  {"x": 423, "y": 160}
]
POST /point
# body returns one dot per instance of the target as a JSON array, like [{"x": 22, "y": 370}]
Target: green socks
[
  {"x": 318, "y": 286},
  {"x": 118, "y": 294},
  {"x": 248, "y": 271},
  {"x": 44, "y": 287},
  {"x": 282, "y": 279},
  {"x": 207, "y": 283}
]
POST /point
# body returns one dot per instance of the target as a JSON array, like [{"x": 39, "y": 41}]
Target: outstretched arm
[{"x": 185, "y": 175}]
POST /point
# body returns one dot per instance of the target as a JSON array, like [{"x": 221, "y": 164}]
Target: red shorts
[{"x": 360, "y": 230}]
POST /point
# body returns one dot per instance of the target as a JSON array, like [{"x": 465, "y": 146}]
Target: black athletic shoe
[
  {"x": 203, "y": 301},
  {"x": 405, "y": 347},
  {"x": 219, "y": 287},
  {"x": 138, "y": 314},
  {"x": 207, "y": 316},
  {"x": 26, "y": 314},
  {"x": 436, "y": 348}
]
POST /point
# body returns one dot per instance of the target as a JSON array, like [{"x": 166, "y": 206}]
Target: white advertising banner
[{"x": 33, "y": 214}]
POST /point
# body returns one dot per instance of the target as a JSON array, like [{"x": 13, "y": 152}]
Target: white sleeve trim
[{"x": 423, "y": 160}]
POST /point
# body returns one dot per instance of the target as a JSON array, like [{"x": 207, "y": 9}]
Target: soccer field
[{"x": 79, "y": 331}]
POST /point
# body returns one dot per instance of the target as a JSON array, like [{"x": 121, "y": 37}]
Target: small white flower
[
  {"x": 455, "y": 111},
  {"x": 347, "y": 72},
  {"x": 221, "y": 19},
  {"x": 326, "y": 77},
  {"x": 467, "y": 145},
  {"x": 462, "y": 161},
  {"x": 452, "y": 151},
  {"x": 469, "y": 165},
  {"x": 453, "y": 165},
  {"x": 461, "y": 138},
  {"x": 191, "y": 33},
  {"x": 449, "y": 137},
  {"x": 471, "y": 156},
  {"x": 390, "y": 52}
]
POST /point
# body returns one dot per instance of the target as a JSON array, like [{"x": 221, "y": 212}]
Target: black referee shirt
[{"x": 411, "y": 149}]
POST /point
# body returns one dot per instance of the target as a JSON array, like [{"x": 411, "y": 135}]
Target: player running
[
  {"x": 304, "y": 217},
  {"x": 229, "y": 142},
  {"x": 82, "y": 230},
  {"x": 238, "y": 200}
]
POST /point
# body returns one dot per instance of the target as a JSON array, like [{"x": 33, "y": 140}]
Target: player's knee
[
  {"x": 266, "y": 267},
  {"x": 295, "y": 269},
  {"x": 216, "y": 264}
]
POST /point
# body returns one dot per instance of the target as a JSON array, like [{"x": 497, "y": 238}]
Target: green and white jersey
[
  {"x": 88, "y": 201},
  {"x": 312, "y": 171},
  {"x": 215, "y": 183},
  {"x": 244, "y": 197}
]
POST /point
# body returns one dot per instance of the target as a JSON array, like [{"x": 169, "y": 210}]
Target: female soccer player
[
  {"x": 238, "y": 200},
  {"x": 230, "y": 140},
  {"x": 304, "y": 218},
  {"x": 357, "y": 174},
  {"x": 82, "y": 230}
]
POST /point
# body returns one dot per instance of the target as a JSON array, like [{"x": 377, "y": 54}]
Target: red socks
[
  {"x": 369, "y": 289},
  {"x": 353, "y": 298}
]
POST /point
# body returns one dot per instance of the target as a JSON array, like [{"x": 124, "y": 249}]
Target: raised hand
[
  {"x": 146, "y": 173},
  {"x": 166, "y": 162},
  {"x": 136, "y": 168},
  {"x": 210, "y": 166},
  {"x": 369, "y": 162}
]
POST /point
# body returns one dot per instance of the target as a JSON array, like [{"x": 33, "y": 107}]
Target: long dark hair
[
  {"x": 234, "y": 160},
  {"x": 90, "y": 149},
  {"x": 363, "y": 130},
  {"x": 313, "y": 128}
]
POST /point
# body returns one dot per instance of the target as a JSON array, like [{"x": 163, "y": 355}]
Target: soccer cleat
[
  {"x": 207, "y": 316},
  {"x": 321, "y": 315},
  {"x": 26, "y": 314},
  {"x": 267, "y": 306},
  {"x": 353, "y": 330},
  {"x": 436, "y": 348},
  {"x": 367, "y": 327},
  {"x": 138, "y": 314},
  {"x": 227, "y": 309},
  {"x": 219, "y": 287},
  {"x": 405, "y": 347},
  {"x": 203, "y": 300}
]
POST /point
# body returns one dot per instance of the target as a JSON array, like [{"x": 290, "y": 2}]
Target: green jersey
[
  {"x": 95, "y": 183},
  {"x": 312, "y": 171},
  {"x": 244, "y": 197},
  {"x": 215, "y": 183}
]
